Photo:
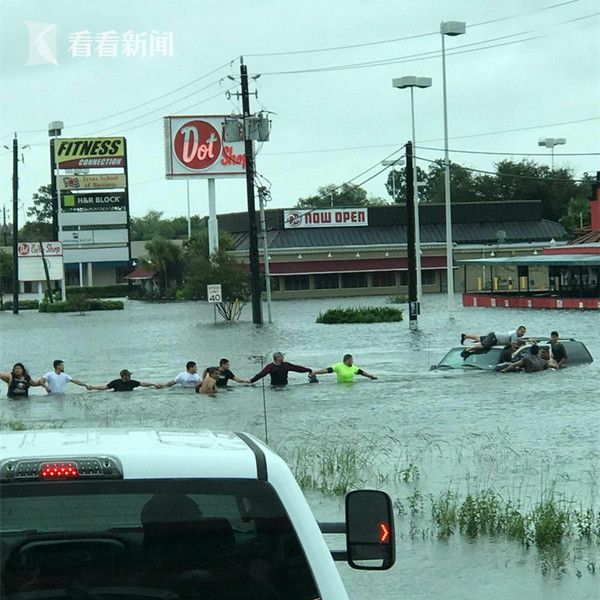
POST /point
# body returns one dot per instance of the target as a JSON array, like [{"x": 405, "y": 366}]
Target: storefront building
[{"x": 346, "y": 252}]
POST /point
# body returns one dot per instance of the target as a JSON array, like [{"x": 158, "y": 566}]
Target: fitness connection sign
[
  {"x": 330, "y": 217},
  {"x": 194, "y": 147},
  {"x": 93, "y": 215},
  {"x": 89, "y": 153}
]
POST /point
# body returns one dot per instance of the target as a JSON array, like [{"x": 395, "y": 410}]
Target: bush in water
[
  {"x": 23, "y": 305},
  {"x": 361, "y": 314},
  {"x": 79, "y": 304}
]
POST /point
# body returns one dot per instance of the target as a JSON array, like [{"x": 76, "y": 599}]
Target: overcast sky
[{"x": 534, "y": 70}]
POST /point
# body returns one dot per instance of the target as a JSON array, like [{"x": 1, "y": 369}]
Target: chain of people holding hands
[{"x": 212, "y": 379}]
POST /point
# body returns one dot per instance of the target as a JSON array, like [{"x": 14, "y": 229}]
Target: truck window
[{"x": 188, "y": 539}]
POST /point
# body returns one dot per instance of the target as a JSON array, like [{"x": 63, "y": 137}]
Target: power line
[
  {"x": 173, "y": 91},
  {"x": 357, "y": 185},
  {"x": 152, "y": 122},
  {"x": 431, "y": 54},
  {"x": 404, "y": 38},
  {"x": 513, "y": 175},
  {"x": 161, "y": 108},
  {"x": 371, "y": 147},
  {"x": 486, "y": 152}
]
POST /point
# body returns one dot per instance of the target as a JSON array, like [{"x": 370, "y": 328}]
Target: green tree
[
  {"x": 5, "y": 272},
  {"x": 41, "y": 210},
  {"x": 396, "y": 182},
  {"x": 347, "y": 196},
  {"x": 202, "y": 270},
  {"x": 152, "y": 225},
  {"x": 576, "y": 216},
  {"x": 35, "y": 231},
  {"x": 166, "y": 258},
  {"x": 462, "y": 183}
]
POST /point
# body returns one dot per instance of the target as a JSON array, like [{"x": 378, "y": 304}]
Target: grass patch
[
  {"x": 362, "y": 314},
  {"x": 12, "y": 425}
]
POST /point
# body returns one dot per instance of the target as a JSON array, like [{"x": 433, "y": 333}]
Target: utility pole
[
  {"x": 413, "y": 304},
  {"x": 252, "y": 229},
  {"x": 262, "y": 192},
  {"x": 15, "y": 225}
]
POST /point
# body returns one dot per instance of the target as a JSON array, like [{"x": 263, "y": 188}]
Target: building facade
[{"x": 365, "y": 254}]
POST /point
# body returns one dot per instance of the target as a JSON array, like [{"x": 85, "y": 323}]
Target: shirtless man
[{"x": 209, "y": 383}]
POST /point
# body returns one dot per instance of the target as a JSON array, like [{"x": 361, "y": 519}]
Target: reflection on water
[{"x": 519, "y": 435}]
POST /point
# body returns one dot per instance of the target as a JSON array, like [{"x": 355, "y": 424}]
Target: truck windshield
[{"x": 142, "y": 539}]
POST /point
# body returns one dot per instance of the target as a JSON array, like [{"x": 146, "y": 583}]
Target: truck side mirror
[{"x": 370, "y": 539}]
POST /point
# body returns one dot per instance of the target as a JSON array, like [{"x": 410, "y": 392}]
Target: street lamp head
[
  {"x": 55, "y": 128},
  {"x": 411, "y": 81},
  {"x": 551, "y": 142},
  {"x": 393, "y": 162},
  {"x": 453, "y": 27}
]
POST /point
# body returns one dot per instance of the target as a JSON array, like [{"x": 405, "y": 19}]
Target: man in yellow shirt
[{"x": 345, "y": 370}]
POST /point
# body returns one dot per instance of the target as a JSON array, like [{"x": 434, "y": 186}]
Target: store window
[
  {"x": 354, "y": 280},
  {"x": 384, "y": 279},
  {"x": 403, "y": 277},
  {"x": 428, "y": 277},
  {"x": 328, "y": 281},
  {"x": 296, "y": 282}
]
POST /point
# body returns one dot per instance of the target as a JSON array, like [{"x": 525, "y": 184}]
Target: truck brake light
[{"x": 61, "y": 468}]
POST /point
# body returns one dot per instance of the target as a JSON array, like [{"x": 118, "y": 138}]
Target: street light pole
[
  {"x": 452, "y": 28},
  {"x": 550, "y": 143},
  {"x": 412, "y": 82}
]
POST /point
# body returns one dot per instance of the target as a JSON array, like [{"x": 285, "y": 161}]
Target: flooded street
[{"x": 417, "y": 434}]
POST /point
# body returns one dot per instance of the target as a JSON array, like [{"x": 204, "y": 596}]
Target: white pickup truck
[{"x": 149, "y": 515}]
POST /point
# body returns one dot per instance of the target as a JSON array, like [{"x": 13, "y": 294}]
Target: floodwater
[{"x": 526, "y": 437}]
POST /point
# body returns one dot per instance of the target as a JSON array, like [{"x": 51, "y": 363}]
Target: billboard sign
[
  {"x": 194, "y": 147},
  {"x": 329, "y": 217},
  {"x": 31, "y": 263},
  {"x": 90, "y": 153},
  {"x": 92, "y": 182},
  {"x": 33, "y": 249},
  {"x": 93, "y": 202}
]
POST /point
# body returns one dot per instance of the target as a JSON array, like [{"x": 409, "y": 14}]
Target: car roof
[{"x": 146, "y": 454}]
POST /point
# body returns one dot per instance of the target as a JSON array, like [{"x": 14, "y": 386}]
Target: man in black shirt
[
  {"x": 559, "y": 353},
  {"x": 278, "y": 370},
  {"x": 225, "y": 374},
  {"x": 124, "y": 384}
]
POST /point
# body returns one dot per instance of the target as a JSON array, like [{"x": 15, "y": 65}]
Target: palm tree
[{"x": 166, "y": 258}]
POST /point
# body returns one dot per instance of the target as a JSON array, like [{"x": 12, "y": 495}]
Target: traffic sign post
[{"x": 214, "y": 295}]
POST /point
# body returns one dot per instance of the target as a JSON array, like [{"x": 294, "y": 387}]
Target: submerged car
[{"x": 577, "y": 354}]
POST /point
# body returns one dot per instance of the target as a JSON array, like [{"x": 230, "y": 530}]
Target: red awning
[
  {"x": 307, "y": 267},
  {"x": 139, "y": 274}
]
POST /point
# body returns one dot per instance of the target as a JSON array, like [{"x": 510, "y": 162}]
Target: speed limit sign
[{"x": 213, "y": 293}]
